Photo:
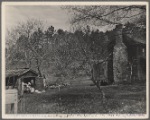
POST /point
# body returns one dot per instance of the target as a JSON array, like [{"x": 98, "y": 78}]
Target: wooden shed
[{"x": 14, "y": 78}]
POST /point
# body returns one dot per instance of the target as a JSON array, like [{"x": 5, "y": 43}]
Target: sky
[{"x": 51, "y": 15}]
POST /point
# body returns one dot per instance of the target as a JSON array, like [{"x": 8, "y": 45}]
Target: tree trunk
[
  {"x": 40, "y": 74},
  {"x": 38, "y": 68},
  {"x": 96, "y": 79},
  {"x": 120, "y": 57}
]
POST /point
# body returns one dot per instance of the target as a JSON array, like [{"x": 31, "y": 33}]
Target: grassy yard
[{"x": 87, "y": 99}]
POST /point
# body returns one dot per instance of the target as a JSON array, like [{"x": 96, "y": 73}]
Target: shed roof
[{"x": 19, "y": 72}]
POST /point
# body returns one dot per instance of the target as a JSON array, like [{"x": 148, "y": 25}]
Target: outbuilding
[{"x": 14, "y": 78}]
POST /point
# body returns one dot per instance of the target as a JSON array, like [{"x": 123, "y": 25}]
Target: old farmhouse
[
  {"x": 129, "y": 56},
  {"x": 127, "y": 59}
]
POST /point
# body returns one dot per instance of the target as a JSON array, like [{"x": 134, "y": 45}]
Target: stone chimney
[
  {"x": 118, "y": 33},
  {"x": 120, "y": 57}
]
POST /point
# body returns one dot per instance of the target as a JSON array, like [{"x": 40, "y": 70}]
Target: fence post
[{"x": 12, "y": 98}]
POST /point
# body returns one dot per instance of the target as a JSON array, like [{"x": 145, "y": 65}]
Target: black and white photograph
[{"x": 75, "y": 60}]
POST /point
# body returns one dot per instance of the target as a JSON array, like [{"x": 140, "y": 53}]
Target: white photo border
[{"x": 73, "y": 116}]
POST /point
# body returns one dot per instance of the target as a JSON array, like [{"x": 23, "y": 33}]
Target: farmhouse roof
[
  {"x": 139, "y": 39},
  {"x": 137, "y": 34},
  {"x": 18, "y": 72}
]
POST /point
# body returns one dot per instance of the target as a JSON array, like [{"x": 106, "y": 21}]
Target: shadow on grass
[{"x": 87, "y": 99}]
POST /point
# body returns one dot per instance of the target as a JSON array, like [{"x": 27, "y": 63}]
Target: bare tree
[
  {"x": 29, "y": 42},
  {"x": 109, "y": 16}
]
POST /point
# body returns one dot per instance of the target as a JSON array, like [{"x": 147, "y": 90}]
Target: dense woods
[{"x": 61, "y": 52}]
